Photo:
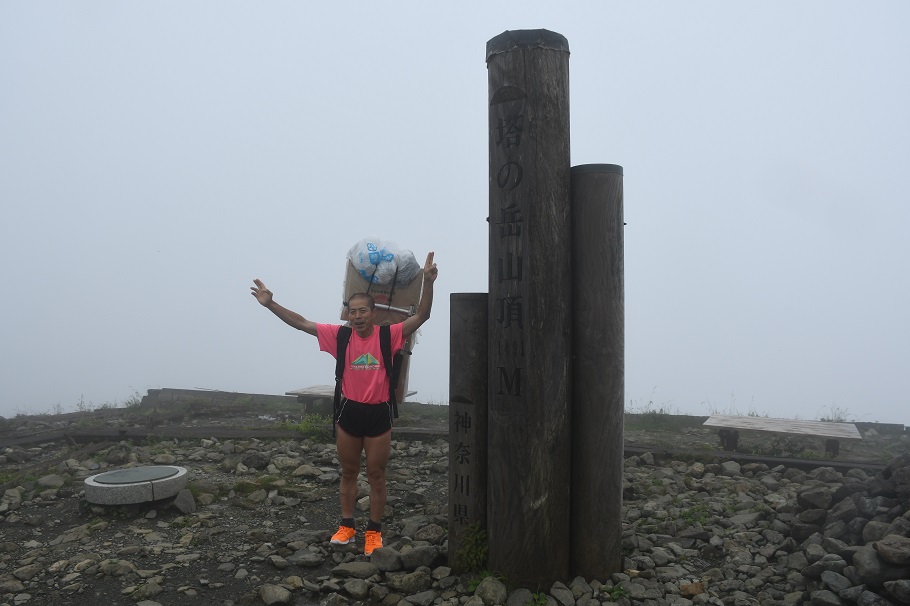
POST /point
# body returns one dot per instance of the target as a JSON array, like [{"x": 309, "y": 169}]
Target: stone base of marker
[{"x": 135, "y": 485}]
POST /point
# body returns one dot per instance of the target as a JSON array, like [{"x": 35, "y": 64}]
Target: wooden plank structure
[
  {"x": 468, "y": 355},
  {"x": 313, "y": 392},
  {"x": 598, "y": 346},
  {"x": 529, "y": 428},
  {"x": 318, "y": 398},
  {"x": 729, "y": 426}
]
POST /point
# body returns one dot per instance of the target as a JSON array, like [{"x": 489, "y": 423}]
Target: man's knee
[
  {"x": 376, "y": 477},
  {"x": 349, "y": 473}
]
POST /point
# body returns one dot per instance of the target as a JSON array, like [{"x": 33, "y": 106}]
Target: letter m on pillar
[{"x": 509, "y": 384}]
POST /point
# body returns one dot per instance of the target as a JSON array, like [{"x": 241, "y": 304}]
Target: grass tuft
[{"x": 836, "y": 414}]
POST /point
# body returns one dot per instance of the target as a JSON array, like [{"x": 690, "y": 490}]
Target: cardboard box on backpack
[
  {"x": 402, "y": 300},
  {"x": 393, "y": 304}
]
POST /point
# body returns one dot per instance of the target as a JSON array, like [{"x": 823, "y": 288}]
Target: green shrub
[
  {"x": 618, "y": 592},
  {"x": 537, "y": 599},
  {"x": 697, "y": 514},
  {"x": 471, "y": 555},
  {"x": 312, "y": 426}
]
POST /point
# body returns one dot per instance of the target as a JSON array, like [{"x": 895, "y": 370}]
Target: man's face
[{"x": 361, "y": 316}]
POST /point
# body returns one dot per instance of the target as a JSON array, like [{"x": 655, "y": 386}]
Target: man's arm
[
  {"x": 409, "y": 326},
  {"x": 291, "y": 318}
]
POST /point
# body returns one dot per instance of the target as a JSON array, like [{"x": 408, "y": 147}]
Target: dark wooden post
[
  {"x": 597, "y": 370},
  {"x": 530, "y": 273},
  {"x": 468, "y": 338}
]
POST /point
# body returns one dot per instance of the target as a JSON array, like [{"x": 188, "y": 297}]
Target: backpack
[{"x": 391, "y": 363}]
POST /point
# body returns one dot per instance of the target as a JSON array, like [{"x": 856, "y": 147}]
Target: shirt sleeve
[{"x": 328, "y": 338}]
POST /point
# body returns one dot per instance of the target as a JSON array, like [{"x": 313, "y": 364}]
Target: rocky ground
[{"x": 253, "y": 527}]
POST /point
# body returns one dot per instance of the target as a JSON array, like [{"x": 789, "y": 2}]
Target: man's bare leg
[
  {"x": 377, "y": 449},
  {"x": 349, "y": 449}
]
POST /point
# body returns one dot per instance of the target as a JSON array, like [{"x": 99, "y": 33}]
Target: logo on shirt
[{"x": 365, "y": 362}]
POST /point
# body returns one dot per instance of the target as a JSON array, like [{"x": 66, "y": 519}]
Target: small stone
[
  {"x": 274, "y": 594},
  {"x": 258, "y": 496},
  {"x": 520, "y": 597},
  {"x": 410, "y": 583},
  {"x": 818, "y": 497},
  {"x": 357, "y": 570},
  {"x": 434, "y": 533},
  {"x": 336, "y": 599},
  {"x": 874, "y": 571},
  {"x": 580, "y": 587},
  {"x": 491, "y": 591},
  {"x": 875, "y": 530},
  {"x": 424, "y": 598},
  {"x": 824, "y": 597},
  {"x": 899, "y": 589},
  {"x": 184, "y": 502},
  {"x": 689, "y": 590},
  {"x": 894, "y": 549},
  {"x": 834, "y": 581},
  {"x": 870, "y": 598},
  {"x": 11, "y": 585},
  {"x": 357, "y": 588},
  {"x": 306, "y": 558},
  {"x": 731, "y": 469},
  {"x": 51, "y": 481},
  {"x": 852, "y": 594},
  {"x": 562, "y": 594},
  {"x": 148, "y": 590},
  {"x": 27, "y": 573},
  {"x": 386, "y": 559}
]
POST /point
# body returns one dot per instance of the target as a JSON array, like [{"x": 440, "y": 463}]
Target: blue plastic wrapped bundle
[{"x": 383, "y": 263}]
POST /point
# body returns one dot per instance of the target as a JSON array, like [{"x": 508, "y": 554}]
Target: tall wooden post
[
  {"x": 597, "y": 370},
  {"x": 468, "y": 338},
  {"x": 530, "y": 272}
]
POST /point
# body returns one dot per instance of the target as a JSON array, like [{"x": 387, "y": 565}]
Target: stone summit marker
[{"x": 135, "y": 485}]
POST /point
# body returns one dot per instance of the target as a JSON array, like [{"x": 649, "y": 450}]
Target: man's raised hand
[
  {"x": 429, "y": 269},
  {"x": 262, "y": 294}
]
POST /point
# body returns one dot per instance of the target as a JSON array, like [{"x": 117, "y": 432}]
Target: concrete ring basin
[{"x": 135, "y": 485}]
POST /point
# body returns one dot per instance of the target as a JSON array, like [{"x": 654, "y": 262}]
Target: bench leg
[
  {"x": 832, "y": 447},
  {"x": 729, "y": 439}
]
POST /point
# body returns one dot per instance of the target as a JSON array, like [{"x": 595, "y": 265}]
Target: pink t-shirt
[{"x": 365, "y": 379}]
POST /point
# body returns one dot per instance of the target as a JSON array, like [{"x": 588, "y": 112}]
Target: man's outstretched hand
[
  {"x": 429, "y": 269},
  {"x": 262, "y": 294}
]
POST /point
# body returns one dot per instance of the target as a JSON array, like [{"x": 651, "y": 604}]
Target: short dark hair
[{"x": 362, "y": 295}]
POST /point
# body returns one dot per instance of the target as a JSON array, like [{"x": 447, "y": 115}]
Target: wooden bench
[
  {"x": 729, "y": 426},
  {"x": 316, "y": 399}
]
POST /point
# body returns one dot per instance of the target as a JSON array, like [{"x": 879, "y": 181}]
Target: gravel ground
[{"x": 261, "y": 514}]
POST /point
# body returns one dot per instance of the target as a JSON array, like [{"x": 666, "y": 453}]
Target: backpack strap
[
  {"x": 344, "y": 335},
  {"x": 391, "y": 366}
]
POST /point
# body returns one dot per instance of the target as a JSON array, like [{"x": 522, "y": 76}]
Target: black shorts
[{"x": 364, "y": 420}]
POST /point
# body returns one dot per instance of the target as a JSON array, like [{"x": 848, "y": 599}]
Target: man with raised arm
[{"x": 364, "y": 420}]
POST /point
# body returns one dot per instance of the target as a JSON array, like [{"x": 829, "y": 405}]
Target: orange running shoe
[
  {"x": 344, "y": 535},
  {"x": 373, "y": 541}
]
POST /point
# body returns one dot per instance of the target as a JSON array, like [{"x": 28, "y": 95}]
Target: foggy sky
[{"x": 155, "y": 158}]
